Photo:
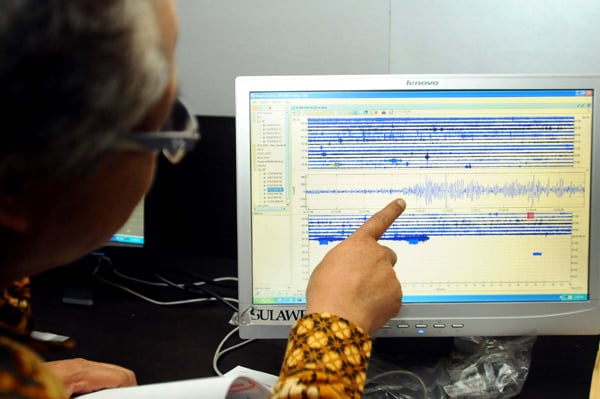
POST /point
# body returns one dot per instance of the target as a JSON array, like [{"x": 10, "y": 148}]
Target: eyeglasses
[{"x": 177, "y": 137}]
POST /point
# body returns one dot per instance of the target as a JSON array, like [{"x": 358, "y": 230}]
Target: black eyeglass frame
[{"x": 178, "y": 136}]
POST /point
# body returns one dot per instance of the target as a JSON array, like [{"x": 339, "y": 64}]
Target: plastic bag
[
  {"x": 396, "y": 384},
  {"x": 477, "y": 368},
  {"x": 489, "y": 368}
]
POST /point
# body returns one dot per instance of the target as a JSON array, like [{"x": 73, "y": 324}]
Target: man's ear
[{"x": 12, "y": 214}]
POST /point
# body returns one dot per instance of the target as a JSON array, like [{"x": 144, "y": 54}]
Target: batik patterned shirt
[
  {"x": 326, "y": 357},
  {"x": 23, "y": 374}
]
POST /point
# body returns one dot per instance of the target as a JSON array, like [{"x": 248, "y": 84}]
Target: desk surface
[{"x": 165, "y": 343}]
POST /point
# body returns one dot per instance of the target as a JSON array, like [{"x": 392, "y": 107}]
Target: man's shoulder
[{"x": 24, "y": 375}]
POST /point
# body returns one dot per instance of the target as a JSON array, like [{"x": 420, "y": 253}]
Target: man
[{"x": 84, "y": 85}]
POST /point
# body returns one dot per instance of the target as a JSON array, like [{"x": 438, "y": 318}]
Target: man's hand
[
  {"x": 82, "y": 376},
  {"x": 356, "y": 280}
]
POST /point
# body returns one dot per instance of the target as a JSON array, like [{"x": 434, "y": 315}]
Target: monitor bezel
[{"x": 420, "y": 319}]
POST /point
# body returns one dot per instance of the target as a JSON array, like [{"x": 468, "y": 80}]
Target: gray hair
[{"x": 74, "y": 75}]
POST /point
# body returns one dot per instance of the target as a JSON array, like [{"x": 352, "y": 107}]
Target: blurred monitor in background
[{"x": 132, "y": 232}]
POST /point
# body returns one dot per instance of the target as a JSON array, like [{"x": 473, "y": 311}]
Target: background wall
[{"x": 220, "y": 40}]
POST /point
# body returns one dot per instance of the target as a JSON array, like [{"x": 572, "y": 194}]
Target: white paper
[
  {"x": 226, "y": 387},
  {"x": 265, "y": 379}
]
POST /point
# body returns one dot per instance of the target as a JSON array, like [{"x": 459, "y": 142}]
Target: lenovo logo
[{"x": 422, "y": 82}]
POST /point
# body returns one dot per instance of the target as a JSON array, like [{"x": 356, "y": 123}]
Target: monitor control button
[
  {"x": 458, "y": 325},
  {"x": 402, "y": 326},
  {"x": 420, "y": 325},
  {"x": 439, "y": 325}
]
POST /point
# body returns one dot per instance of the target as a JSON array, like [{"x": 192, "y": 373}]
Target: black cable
[
  {"x": 195, "y": 289},
  {"x": 207, "y": 281}
]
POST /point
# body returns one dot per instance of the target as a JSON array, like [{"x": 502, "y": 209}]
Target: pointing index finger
[{"x": 377, "y": 224}]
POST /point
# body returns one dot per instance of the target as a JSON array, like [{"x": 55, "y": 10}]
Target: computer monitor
[
  {"x": 132, "y": 232},
  {"x": 500, "y": 174}
]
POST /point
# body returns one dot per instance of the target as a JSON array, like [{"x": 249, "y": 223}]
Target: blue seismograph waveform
[
  {"x": 446, "y": 188},
  {"x": 416, "y": 228},
  {"x": 440, "y": 142}
]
